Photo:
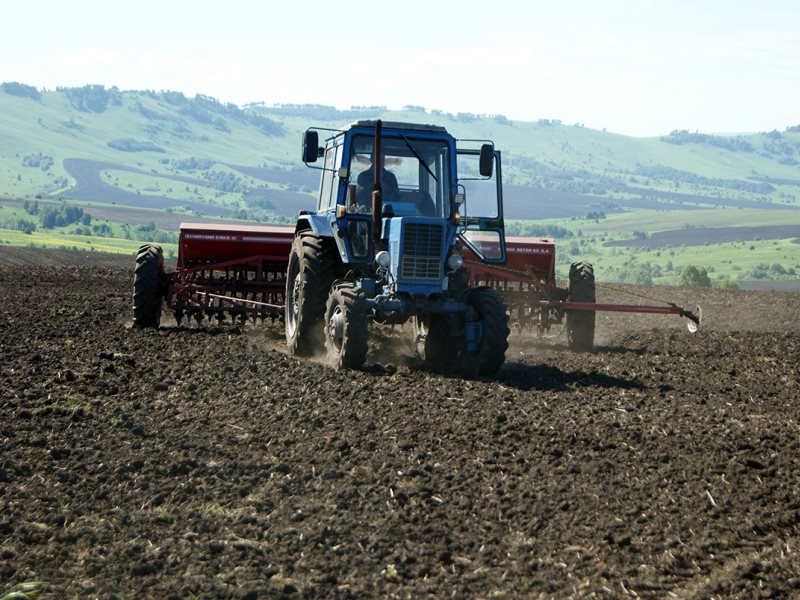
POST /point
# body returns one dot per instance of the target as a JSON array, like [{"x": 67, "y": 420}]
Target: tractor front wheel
[
  {"x": 148, "y": 286},
  {"x": 580, "y": 323},
  {"x": 346, "y": 327},
  {"x": 311, "y": 271},
  {"x": 491, "y": 351}
]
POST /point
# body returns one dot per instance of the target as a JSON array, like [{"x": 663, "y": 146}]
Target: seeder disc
[{"x": 691, "y": 325}]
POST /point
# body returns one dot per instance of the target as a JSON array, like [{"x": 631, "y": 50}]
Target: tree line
[{"x": 52, "y": 217}]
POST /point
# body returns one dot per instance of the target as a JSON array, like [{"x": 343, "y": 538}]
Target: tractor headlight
[
  {"x": 455, "y": 261},
  {"x": 383, "y": 259}
]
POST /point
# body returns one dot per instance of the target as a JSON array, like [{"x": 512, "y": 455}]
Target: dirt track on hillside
[{"x": 206, "y": 462}]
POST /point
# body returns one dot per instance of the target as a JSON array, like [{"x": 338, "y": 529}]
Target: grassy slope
[{"x": 534, "y": 153}]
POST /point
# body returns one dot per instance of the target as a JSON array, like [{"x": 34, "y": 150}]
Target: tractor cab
[{"x": 424, "y": 179}]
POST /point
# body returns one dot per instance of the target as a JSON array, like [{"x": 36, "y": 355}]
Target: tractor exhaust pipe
[{"x": 377, "y": 191}]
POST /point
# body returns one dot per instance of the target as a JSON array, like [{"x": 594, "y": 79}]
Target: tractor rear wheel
[
  {"x": 148, "y": 286},
  {"x": 346, "y": 327},
  {"x": 580, "y": 323},
  {"x": 491, "y": 351},
  {"x": 311, "y": 271}
]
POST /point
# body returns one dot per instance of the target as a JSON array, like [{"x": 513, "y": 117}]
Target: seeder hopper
[{"x": 233, "y": 271}]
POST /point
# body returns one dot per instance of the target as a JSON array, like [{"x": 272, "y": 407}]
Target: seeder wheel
[
  {"x": 148, "y": 286},
  {"x": 580, "y": 323}
]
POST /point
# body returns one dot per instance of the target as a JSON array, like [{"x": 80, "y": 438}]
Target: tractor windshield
[{"x": 414, "y": 180}]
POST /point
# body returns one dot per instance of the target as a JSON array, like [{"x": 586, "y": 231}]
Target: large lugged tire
[
  {"x": 311, "y": 271},
  {"x": 148, "y": 286},
  {"x": 491, "y": 353},
  {"x": 580, "y": 323},
  {"x": 346, "y": 327}
]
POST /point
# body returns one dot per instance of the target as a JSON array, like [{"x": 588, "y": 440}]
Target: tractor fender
[
  {"x": 319, "y": 224},
  {"x": 464, "y": 296}
]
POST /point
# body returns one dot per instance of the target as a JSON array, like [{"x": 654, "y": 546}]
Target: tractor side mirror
[
  {"x": 486, "y": 162},
  {"x": 310, "y": 146}
]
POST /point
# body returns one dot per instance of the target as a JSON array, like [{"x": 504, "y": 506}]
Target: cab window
[
  {"x": 325, "y": 199},
  {"x": 415, "y": 180}
]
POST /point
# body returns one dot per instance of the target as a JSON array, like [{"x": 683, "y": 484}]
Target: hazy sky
[{"x": 637, "y": 67}]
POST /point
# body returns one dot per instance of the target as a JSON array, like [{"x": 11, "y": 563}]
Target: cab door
[{"x": 480, "y": 201}]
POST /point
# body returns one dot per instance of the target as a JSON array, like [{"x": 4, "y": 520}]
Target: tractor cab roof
[{"x": 371, "y": 124}]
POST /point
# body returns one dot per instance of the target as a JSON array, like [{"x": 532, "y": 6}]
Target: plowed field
[{"x": 206, "y": 462}]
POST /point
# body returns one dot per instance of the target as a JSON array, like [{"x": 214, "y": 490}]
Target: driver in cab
[{"x": 366, "y": 181}]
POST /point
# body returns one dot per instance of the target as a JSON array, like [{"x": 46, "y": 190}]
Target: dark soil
[{"x": 205, "y": 462}]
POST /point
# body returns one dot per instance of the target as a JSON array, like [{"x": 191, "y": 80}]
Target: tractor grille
[{"x": 422, "y": 247}]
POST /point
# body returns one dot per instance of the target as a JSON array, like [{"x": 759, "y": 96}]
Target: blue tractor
[{"x": 397, "y": 204}]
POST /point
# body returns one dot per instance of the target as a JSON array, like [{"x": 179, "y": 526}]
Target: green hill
[{"x": 139, "y": 162}]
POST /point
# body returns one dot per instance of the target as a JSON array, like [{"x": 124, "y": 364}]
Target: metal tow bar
[{"x": 671, "y": 309}]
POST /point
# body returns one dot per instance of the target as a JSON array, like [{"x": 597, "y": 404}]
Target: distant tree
[
  {"x": 20, "y": 89},
  {"x": 60, "y": 217},
  {"x": 676, "y": 176},
  {"x": 89, "y": 98},
  {"x": 225, "y": 182},
  {"x": 692, "y": 276},
  {"x": 23, "y": 225},
  {"x": 191, "y": 163},
  {"x": 102, "y": 229},
  {"x": 777, "y": 269},
  {"x": 37, "y": 161},
  {"x": 637, "y": 274},
  {"x": 533, "y": 229},
  {"x": 174, "y": 97},
  {"x": 129, "y": 145},
  {"x": 574, "y": 249},
  {"x": 732, "y": 143},
  {"x": 760, "y": 271}
]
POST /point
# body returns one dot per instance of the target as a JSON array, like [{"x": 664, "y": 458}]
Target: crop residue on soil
[{"x": 206, "y": 462}]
